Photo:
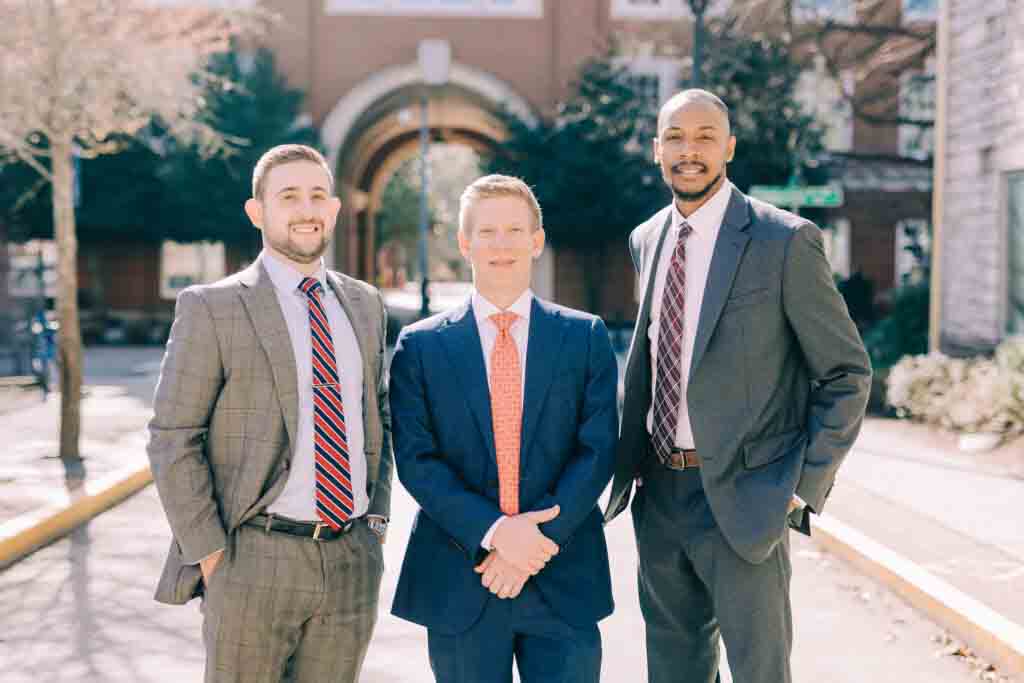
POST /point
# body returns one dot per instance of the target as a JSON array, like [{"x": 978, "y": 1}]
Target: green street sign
[{"x": 810, "y": 196}]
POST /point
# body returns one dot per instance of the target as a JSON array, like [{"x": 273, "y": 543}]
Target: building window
[
  {"x": 917, "y": 102},
  {"x": 654, "y": 10},
  {"x": 466, "y": 8},
  {"x": 1015, "y": 220},
  {"x": 816, "y": 11},
  {"x": 837, "y": 246},
  {"x": 182, "y": 265},
  {"x": 824, "y": 98},
  {"x": 913, "y": 247},
  {"x": 655, "y": 79},
  {"x": 218, "y": 4},
  {"x": 920, "y": 10}
]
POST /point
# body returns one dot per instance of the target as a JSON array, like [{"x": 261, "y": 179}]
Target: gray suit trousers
[
  {"x": 287, "y": 608},
  {"x": 694, "y": 587}
]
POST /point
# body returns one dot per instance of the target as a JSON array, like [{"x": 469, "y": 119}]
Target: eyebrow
[
  {"x": 707, "y": 127},
  {"x": 295, "y": 188}
]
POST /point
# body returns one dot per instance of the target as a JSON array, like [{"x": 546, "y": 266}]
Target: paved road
[{"x": 81, "y": 611}]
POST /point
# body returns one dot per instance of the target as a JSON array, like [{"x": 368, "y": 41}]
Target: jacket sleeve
[
  {"x": 381, "y": 503},
  {"x": 444, "y": 496},
  {"x": 191, "y": 378},
  {"x": 835, "y": 356}
]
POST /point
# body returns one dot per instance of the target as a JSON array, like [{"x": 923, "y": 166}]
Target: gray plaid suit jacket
[{"x": 226, "y": 412}]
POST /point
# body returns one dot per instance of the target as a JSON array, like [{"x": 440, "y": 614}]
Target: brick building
[
  {"x": 978, "y": 279},
  {"x": 357, "y": 62}
]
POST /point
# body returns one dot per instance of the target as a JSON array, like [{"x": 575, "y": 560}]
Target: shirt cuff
[{"x": 486, "y": 543}]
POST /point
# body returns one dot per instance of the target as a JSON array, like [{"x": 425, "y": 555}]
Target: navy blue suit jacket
[{"x": 444, "y": 453}]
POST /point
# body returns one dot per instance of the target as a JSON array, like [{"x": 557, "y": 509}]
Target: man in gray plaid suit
[{"x": 270, "y": 445}]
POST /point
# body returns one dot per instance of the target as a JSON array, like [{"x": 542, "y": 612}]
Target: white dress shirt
[
  {"x": 700, "y": 245},
  {"x": 298, "y": 498},
  {"x": 488, "y": 330}
]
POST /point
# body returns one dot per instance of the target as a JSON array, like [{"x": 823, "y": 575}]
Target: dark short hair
[
  {"x": 285, "y": 154},
  {"x": 692, "y": 95}
]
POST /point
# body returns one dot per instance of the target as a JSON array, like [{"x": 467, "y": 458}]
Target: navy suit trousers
[{"x": 545, "y": 648}]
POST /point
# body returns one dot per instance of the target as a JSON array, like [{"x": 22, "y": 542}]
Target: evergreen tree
[
  {"x": 774, "y": 136},
  {"x": 158, "y": 189},
  {"x": 590, "y": 167}
]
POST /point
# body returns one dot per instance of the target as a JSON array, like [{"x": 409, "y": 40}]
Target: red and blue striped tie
[{"x": 334, "y": 500}]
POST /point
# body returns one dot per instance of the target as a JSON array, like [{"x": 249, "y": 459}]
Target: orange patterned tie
[{"x": 506, "y": 411}]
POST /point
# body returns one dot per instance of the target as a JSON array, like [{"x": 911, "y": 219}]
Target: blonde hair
[
  {"x": 496, "y": 185},
  {"x": 285, "y": 154}
]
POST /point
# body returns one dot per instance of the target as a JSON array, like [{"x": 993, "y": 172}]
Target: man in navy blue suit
[{"x": 504, "y": 424}]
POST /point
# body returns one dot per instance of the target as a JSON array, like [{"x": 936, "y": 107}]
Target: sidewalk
[
  {"x": 38, "y": 499},
  {"x": 952, "y": 521},
  {"x": 956, "y": 518}
]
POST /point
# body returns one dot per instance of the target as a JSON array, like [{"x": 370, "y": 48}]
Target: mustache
[{"x": 680, "y": 166}]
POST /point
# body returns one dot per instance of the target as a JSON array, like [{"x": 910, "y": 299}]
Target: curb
[
  {"x": 31, "y": 531},
  {"x": 992, "y": 635}
]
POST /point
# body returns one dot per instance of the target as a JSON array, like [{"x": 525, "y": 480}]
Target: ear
[
  {"x": 334, "y": 206},
  {"x": 656, "y": 149},
  {"x": 731, "y": 151},
  {"x": 463, "y": 243},
  {"x": 539, "y": 240},
  {"x": 254, "y": 210}
]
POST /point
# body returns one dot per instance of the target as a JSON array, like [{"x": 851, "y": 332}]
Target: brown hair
[
  {"x": 497, "y": 185},
  {"x": 285, "y": 154}
]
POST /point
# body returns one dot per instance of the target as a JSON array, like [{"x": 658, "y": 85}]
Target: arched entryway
[{"x": 375, "y": 128}]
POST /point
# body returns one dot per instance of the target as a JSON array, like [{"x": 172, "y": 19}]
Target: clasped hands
[{"x": 518, "y": 551}]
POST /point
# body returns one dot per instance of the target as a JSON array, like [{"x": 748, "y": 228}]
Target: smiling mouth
[
  {"x": 306, "y": 228},
  {"x": 689, "y": 170},
  {"x": 503, "y": 262}
]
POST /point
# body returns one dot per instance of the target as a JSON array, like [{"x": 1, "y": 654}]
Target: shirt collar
[
  {"x": 708, "y": 218},
  {"x": 484, "y": 309},
  {"x": 286, "y": 277}
]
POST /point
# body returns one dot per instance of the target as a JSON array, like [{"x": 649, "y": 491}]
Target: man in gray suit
[
  {"x": 271, "y": 449},
  {"x": 746, "y": 385}
]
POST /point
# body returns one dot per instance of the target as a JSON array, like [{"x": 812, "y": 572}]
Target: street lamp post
[{"x": 434, "y": 60}]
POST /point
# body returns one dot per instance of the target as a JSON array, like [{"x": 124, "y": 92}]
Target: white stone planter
[{"x": 979, "y": 443}]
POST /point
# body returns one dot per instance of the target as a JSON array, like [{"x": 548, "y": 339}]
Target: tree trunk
[{"x": 69, "y": 340}]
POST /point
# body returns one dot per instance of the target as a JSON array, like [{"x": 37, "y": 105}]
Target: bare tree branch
[{"x": 78, "y": 77}]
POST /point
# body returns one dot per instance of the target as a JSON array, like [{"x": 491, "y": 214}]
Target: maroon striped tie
[
  {"x": 334, "y": 500},
  {"x": 668, "y": 389}
]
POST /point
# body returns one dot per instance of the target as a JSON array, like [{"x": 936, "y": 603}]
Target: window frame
[
  {"x": 520, "y": 9},
  {"x": 623, "y": 10},
  {"x": 1010, "y": 179}
]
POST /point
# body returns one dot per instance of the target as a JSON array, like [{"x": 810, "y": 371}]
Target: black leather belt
[
  {"x": 318, "y": 531},
  {"x": 681, "y": 459}
]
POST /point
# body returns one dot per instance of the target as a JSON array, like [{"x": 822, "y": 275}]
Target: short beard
[
  {"x": 292, "y": 251},
  {"x": 699, "y": 194}
]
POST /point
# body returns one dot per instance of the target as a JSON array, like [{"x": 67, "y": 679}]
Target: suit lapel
[
  {"x": 638, "y": 361},
  {"x": 542, "y": 353},
  {"x": 725, "y": 259},
  {"x": 353, "y": 302},
  {"x": 260, "y": 300},
  {"x": 462, "y": 343}
]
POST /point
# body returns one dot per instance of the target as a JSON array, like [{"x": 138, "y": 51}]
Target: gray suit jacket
[
  {"x": 779, "y": 380},
  {"x": 226, "y": 412}
]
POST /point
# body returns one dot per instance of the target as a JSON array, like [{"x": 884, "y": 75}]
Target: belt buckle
[{"x": 316, "y": 530}]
